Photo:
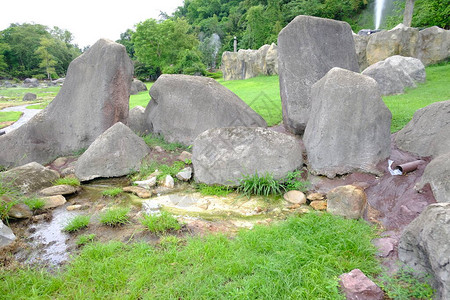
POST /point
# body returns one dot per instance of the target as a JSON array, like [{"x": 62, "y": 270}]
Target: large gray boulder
[
  {"x": 428, "y": 133},
  {"x": 30, "y": 178},
  {"x": 410, "y": 65},
  {"x": 95, "y": 95},
  {"x": 116, "y": 152},
  {"x": 349, "y": 128},
  {"x": 6, "y": 235},
  {"x": 424, "y": 246},
  {"x": 224, "y": 155},
  {"x": 391, "y": 80},
  {"x": 433, "y": 45},
  {"x": 137, "y": 86},
  {"x": 308, "y": 48},
  {"x": 437, "y": 174},
  {"x": 184, "y": 106},
  {"x": 360, "y": 48},
  {"x": 136, "y": 119}
]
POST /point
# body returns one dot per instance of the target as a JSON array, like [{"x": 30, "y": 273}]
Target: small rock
[
  {"x": 74, "y": 207},
  {"x": 168, "y": 182},
  {"x": 158, "y": 149},
  {"x": 150, "y": 207},
  {"x": 6, "y": 235},
  {"x": 138, "y": 191},
  {"x": 355, "y": 285},
  {"x": 319, "y": 205},
  {"x": 63, "y": 189},
  {"x": 59, "y": 162},
  {"x": 17, "y": 211},
  {"x": 315, "y": 197},
  {"x": 29, "y": 97},
  {"x": 185, "y": 156},
  {"x": 347, "y": 201},
  {"x": 185, "y": 174},
  {"x": 203, "y": 204},
  {"x": 385, "y": 246},
  {"x": 70, "y": 170},
  {"x": 295, "y": 197},
  {"x": 294, "y": 206},
  {"x": 146, "y": 184},
  {"x": 53, "y": 201}
]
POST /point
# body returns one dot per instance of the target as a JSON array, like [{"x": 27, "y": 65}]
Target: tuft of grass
[
  {"x": 77, "y": 223},
  {"x": 153, "y": 140},
  {"x": 34, "y": 203},
  {"x": 264, "y": 185},
  {"x": 294, "y": 181},
  {"x": 214, "y": 190},
  {"x": 85, "y": 239},
  {"x": 113, "y": 192},
  {"x": 160, "y": 223},
  {"x": 115, "y": 216},
  {"x": 300, "y": 258},
  {"x": 79, "y": 152},
  {"x": 12, "y": 193},
  {"x": 405, "y": 285},
  {"x": 67, "y": 181},
  {"x": 148, "y": 168}
]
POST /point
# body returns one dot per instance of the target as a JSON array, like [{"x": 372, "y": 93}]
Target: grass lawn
[
  {"x": 300, "y": 258},
  {"x": 141, "y": 98},
  {"x": 6, "y": 117}
]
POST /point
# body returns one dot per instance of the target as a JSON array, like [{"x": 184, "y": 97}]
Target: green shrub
[
  {"x": 67, "y": 180},
  {"x": 405, "y": 285},
  {"x": 112, "y": 192},
  {"x": 214, "y": 190},
  {"x": 34, "y": 203},
  {"x": 77, "y": 223},
  {"x": 160, "y": 223},
  {"x": 264, "y": 185},
  {"x": 115, "y": 216},
  {"x": 85, "y": 239}
]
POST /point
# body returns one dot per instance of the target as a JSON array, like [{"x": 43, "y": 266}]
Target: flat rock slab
[
  {"x": 138, "y": 191},
  {"x": 62, "y": 189},
  {"x": 53, "y": 201},
  {"x": 357, "y": 286}
]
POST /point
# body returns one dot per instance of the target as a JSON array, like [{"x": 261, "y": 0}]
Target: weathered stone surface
[
  {"x": 246, "y": 64},
  {"x": 137, "y": 86},
  {"x": 295, "y": 197},
  {"x": 138, "y": 191},
  {"x": 385, "y": 246},
  {"x": 30, "y": 178},
  {"x": 315, "y": 196},
  {"x": 185, "y": 174},
  {"x": 437, "y": 174},
  {"x": 117, "y": 152},
  {"x": 6, "y": 235},
  {"x": 184, "y": 106},
  {"x": 347, "y": 201},
  {"x": 411, "y": 66},
  {"x": 224, "y": 155},
  {"x": 95, "y": 95},
  {"x": 147, "y": 184},
  {"x": 401, "y": 40},
  {"x": 360, "y": 47},
  {"x": 357, "y": 286},
  {"x": 428, "y": 133},
  {"x": 168, "y": 182},
  {"x": 390, "y": 80},
  {"x": 136, "y": 119},
  {"x": 29, "y": 97},
  {"x": 62, "y": 189},
  {"x": 185, "y": 156},
  {"x": 349, "y": 129},
  {"x": 74, "y": 207},
  {"x": 433, "y": 45},
  {"x": 308, "y": 48},
  {"x": 424, "y": 246},
  {"x": 53, "y": 201},
  {"x": 318, "y": 204}
]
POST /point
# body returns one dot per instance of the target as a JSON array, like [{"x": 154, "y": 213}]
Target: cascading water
[{"x": 379, "y": 5}]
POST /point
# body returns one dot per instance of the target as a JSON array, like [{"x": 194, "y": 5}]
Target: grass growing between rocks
[
  {"x": 435, "y": 89},
  {"x": 300, "y": 258},
  {"x": 67, "y": 181},
  {"x": 141, "y": 98},
  {"x": 112, "y": 192},
  {"x": 77, "y": 223},
  {"x": 160, "y": 223},
  {"x": 153, "y": 140},
  {"x": 115, "y": 216},
  {"x": 147, "y": 168},
  {"x": 34, "y": 203}
]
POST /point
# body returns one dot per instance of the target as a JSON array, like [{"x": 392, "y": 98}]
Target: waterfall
[{"x": 379, "y": 5}]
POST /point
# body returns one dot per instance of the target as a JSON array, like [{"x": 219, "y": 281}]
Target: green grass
[
  {"x": 262, "y": 94},
  {"x": 435, "y": 89},
  {"x": 300, "y": 258},
  {"x": 85, "y": 239},
  {"x": 115, "y": 216},
  {"x": 153, "y": 140},
  {"x": 12, "y": 193},
  {"x": 9, "y": 116},
  {"x": 34, "y": 203},
  {"x": 112, "y": 192},
  {"x": 148, "y": 168},
  {"x": 16, "y": 94},
  {"x": 67, "y": 181},
  {"x": 141, "y": 98},
  {"x": 39, "y": 106},
  {"x": 160, "y": 223},
  {"x": 214, "y": 190},
  {"x": 77, "y": 223},
  {"x": 263, "y": 185}
]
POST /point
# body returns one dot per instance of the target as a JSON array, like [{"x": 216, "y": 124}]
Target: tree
[
  {"x": 48, "y": 62},
  {"x": 407, "y": 15},
  {"x": 125, "y": 39}
]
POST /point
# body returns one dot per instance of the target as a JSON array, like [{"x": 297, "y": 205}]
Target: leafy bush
[
  {"x": 115, "y": 216},
  {"x": 214, "y": 190},
  {"x": 113, "y": 192},
  {"x": 77, "y": 223},
  {"x": 85, "y": 239},
  {"x": 34, "y": 203},
  {"x": 68, "y": 181},
  {"x": 160, "y": 223}
]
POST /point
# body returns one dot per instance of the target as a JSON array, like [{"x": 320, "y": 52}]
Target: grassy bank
[
  {"x": 7, "y": 117},
  {"x": 300, "y": 258}
]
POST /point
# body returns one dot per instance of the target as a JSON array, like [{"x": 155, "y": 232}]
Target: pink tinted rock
[
  {"x": 385, "y": 246},
  {"x": 356, "y": 286}
]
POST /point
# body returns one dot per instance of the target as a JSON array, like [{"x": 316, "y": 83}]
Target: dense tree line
[{"x": 34, "y": 50}]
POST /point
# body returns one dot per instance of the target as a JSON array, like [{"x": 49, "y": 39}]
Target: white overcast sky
[{"x": 87, "y": 20}]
